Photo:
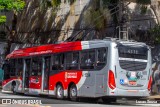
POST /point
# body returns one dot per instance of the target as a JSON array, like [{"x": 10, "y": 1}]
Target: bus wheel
[
  {"x": 109, "y": 100},
  {"x": 59, "y": 92},
  {"x": 14, "y": 89},
  {"x": 73, "y": 93}
]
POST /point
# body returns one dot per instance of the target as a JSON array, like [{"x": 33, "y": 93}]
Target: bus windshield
[{"x": 133, "y": 58}]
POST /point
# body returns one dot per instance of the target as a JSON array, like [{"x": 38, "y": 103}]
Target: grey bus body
[{"x": 126, "y": 68}]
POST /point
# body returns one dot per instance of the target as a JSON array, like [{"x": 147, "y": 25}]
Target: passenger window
[
  {"x": 6, "y": 68},
  {"x": 58, "y": 62},
  {"x": 19, "y": 67},
  {"x": 13, "y": 67},
  {"x": 101, "y": 58},
  {"x": 88, "y": 59},
  {"x": 36, "y": 66},
  {"x": 72, "y": 60}
]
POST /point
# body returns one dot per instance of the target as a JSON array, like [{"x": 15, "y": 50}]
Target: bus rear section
[{"x": 130, "y": 74}]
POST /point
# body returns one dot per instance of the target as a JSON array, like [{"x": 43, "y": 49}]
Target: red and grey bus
[{"x": 106, "y": 68}]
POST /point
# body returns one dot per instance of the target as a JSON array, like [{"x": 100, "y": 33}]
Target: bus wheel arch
[
  {"x": 72, "y": 91},
  {"x": 59, "y": 90}
]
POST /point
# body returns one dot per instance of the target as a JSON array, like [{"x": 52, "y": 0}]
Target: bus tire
[
  {"x": 73, "y": 92},
  {"x": 59, "y": 92},
  {"x": 14, "y": 88},
  {"x": 109, "y": 100}
]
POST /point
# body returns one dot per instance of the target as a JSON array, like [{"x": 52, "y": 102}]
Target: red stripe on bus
[
  {"x": 46, "y": 49},
  {"x": 65, "y": 78}
]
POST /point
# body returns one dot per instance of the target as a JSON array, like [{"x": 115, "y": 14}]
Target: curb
[{"x": 157, "y": 97}]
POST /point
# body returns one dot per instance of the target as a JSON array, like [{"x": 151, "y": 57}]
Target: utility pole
[{"x": 123, "y": 21}]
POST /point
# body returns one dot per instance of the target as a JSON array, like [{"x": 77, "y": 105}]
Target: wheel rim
[
  {"x": 14, "y": 89},
  {"x": 73, "y": 92},
  {"x": 60, "y": 92}
]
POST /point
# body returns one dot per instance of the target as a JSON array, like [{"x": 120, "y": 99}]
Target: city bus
[{"x": 106, "y": 69}]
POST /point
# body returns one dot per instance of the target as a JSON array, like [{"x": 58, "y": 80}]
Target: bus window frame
[
  {"x": 88, "y": 50},
  {"x": 72, "y": 54},
  {"x": 39, "y": 71},
  {"x": 106, "y": 57},
  {"x": 15, "y": 67},
  {"x": 53, "y": 60},
  {"x": 17, "y": 70}
]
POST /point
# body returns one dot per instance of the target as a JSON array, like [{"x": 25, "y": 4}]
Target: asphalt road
[{"x": 21, "y": 100}]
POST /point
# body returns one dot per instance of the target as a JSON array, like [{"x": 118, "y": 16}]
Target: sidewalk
[{"x": 154, "y": 97}]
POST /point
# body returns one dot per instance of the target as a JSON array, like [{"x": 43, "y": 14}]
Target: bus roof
[
  {"x": 45, "y": 49},
  {"x": 61, "y": 47}
]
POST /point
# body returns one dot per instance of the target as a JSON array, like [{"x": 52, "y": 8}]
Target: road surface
[{"x": 52, "y": 102}]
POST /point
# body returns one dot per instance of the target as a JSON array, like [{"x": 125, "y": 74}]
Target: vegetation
[
  {"x": 55, "y": 3},
  {"x": 15, "y": 6},
  {"x": 143, "y": 9},
  {"x": 2, "y": 19},
  {"x": 10, "y": 5},
  {"x": 155, "y": 33},
  {"x": 95, "y": 16}
]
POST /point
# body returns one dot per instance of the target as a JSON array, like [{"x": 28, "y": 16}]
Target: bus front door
[
  {"x": 45, "y": 74},
  {"x": 26, "y": 74}
]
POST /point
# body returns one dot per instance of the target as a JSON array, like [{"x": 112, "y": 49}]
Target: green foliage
[
  {"x": 96, "y": 17},
  {"x": 2, "y": 19},
  {"x": 155, "y": 32},
  {"x": 143, "y": 2},
  {"x": 10, "y": 5},
  {"x": 143, "y": 9},
  {"x": 55, "y": 3}
]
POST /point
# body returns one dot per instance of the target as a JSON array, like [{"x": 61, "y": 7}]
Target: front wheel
[
  {"x": 59, "y": 92},
  {"x": 14, "y": 89},
  {"x": 73, "y": 93}
]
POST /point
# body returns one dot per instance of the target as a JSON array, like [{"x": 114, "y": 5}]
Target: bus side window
[
  {"x": 19, "y": 67},
  {"x": 12, "y": 67},
  {"x": 58, "y": 62},
  {"x": 87, "y": 59},
  {"x": 6, "y": 68},
  {"x": 36, "y": 66},
  {"x": 72, "y": 60},
  {"x": 101, "y": 58}
]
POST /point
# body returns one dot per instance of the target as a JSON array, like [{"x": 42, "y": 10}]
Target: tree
[
  {"x": 15, "y": 6},
  {"x": 155, "y": 33},
  {"x": 10, "y": 5},
  {"x": 97, "y": 16}
]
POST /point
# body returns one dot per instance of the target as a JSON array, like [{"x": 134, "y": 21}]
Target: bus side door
[
  {"x": 45, "y": 73},
  {"x": 36, "y": 75},
  {"x": 26, "y": 74}
]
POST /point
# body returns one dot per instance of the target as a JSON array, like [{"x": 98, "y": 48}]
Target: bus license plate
[{"x": 132, "y": 82}]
